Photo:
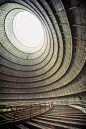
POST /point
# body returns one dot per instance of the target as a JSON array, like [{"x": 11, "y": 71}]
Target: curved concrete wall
[{"x": 57, "y": 71}]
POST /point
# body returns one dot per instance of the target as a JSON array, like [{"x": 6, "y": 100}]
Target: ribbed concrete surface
[{"x": 55, "y": 71}]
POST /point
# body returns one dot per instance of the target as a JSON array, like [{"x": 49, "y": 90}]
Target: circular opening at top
[{"x": 28, "y": 29}]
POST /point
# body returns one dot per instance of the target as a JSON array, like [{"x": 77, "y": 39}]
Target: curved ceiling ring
[{"x": 13, "y": 39}]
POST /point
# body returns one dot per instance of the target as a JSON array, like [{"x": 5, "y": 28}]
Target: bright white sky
[{"x": 28, "y": 29}]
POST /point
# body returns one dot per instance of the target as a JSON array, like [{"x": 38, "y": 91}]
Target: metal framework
[{"x": 17, "y": 114}]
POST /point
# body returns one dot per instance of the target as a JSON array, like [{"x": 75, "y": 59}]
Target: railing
[{"x": 19, "y": 113}]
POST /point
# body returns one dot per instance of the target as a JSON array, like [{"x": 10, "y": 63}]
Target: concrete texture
[{"x": 58, "y": 70}]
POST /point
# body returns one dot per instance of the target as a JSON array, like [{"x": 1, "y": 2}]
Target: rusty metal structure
[{"x": 15, "y": 114}]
